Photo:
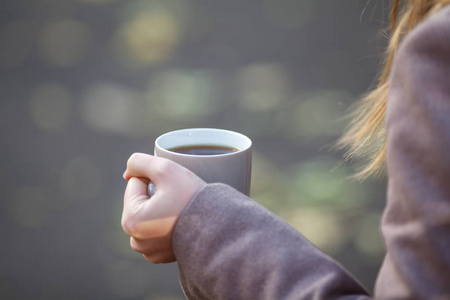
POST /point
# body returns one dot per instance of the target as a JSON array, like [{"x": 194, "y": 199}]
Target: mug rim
[{"x": 247, "y": 142}]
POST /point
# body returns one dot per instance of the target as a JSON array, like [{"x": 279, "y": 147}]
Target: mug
[{"x": 215, "y": 155}]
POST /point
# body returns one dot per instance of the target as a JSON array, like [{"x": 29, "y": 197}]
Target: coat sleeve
[
  {"x": 229, "y": 247},
  {"x": 416, "y": 221}
]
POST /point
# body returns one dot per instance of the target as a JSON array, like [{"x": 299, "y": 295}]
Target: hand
[{"x": 150, "y": 222}]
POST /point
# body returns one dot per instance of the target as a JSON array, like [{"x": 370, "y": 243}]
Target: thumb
[{"x": 135, "y": 196}]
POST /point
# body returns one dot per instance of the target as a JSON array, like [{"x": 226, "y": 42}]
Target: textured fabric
[
  {"x": 229, "y": 247},
  {"x": 416, "y": 221}
]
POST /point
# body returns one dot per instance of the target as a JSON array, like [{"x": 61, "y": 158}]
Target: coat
[{"x": 229, "y": 247}]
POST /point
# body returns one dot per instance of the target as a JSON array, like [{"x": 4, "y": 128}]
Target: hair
[{"x": 366, "y": 137}]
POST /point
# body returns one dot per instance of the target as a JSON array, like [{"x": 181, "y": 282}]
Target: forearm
[{"x": 229, "y": 247}]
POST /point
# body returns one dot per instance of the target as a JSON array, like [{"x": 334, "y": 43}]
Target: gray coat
[{"x": 229, "y": 247}]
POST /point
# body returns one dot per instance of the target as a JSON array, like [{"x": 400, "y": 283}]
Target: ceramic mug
[{"x": 233, "y": 166}]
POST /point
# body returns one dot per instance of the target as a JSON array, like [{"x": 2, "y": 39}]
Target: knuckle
[
  {"x": 129, "y": 226},
  {"x": 133, "y": 158},
  {"x": 164, "y": 167},
  {"x": 136, "y": 245}
]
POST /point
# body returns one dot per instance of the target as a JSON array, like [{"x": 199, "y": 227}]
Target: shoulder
[
  {"x": 433, "y": 32},
  {"x": 424, "y": 53},
  {"x": 419, "y": 84}
]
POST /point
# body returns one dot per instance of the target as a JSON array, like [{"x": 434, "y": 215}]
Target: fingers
[
  {"x": 134, "y": 198},
  {"x": 160, "y": 257},
  {"x": 145, "y": 217},
  {"x": 150, "y": 221},
  {"x": 154, "y": 250},
  {"x": 135, "y": 165},
  {"x": 148, "y": 166},
  {"x": 136, "y": 189}
]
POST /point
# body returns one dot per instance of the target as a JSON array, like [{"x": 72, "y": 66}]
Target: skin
[{"x": 150, "y": 222}]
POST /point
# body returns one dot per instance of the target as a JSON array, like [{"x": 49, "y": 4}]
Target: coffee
[{"x": 203, "y": 150}]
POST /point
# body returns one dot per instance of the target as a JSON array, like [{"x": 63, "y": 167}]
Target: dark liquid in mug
[{"x": 203, "y": 150}]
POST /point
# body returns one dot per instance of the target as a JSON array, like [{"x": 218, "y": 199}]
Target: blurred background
[{"x": 85, "y": 83}]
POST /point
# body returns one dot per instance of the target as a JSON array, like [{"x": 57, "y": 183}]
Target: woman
[{"x": 229, "y": 247}]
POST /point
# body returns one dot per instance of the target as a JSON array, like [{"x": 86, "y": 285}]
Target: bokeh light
[
  {"x": 322, "y": 181},
  {"x": 184, "y": 95},
  {"x": 148, "y": 39},
  {"x": 263, "y": 87},
  {"x": 113, "y": 108},
  {"x": 88, "y": 82},
  {"x": 322, "y": 227},
  {"x": 317, "y": 115}
]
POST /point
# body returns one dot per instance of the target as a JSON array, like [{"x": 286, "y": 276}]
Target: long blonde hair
[{"x": 365, "y": 137}]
